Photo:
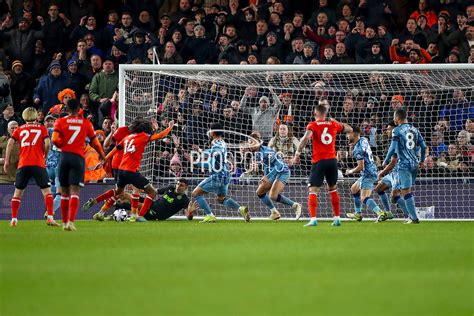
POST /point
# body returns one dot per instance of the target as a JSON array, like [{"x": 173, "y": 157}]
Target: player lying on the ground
[
  {"x": 70, "y": 135},
  {"x": 171, "y": 201},
  {"x": 34, "y": 146},
  {"x": 406, "y": 143},
  {"x": 133, "y": 147},
  {"x": 362, "y": 188},
  {"x": 219, "y": 179},
  {"x": 323, "y": 132},
  {"x": 276, "y": 175},
  {"x": 388, "y": 180}
]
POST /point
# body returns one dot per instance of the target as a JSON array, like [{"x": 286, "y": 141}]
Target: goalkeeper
[{"x": 172, "y": 199}]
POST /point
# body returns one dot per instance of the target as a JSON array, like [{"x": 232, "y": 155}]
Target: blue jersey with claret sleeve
[
  {"x": 271, "y": 160},
  {"x": 409, "y": 141},
  {"x": 363, "y": 152}
]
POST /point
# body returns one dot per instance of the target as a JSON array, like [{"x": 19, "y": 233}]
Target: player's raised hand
[
  {"x": 380, "y": 175},
  {"x": 171, "y": 123},
  {"x": 348, "y": 172}
]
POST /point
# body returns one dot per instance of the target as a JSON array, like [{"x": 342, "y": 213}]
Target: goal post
[{"x": 278, "y": 102}]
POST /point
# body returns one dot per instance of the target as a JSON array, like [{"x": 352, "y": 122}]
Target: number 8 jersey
[
  {"x": 73, "y": 131},
  {"x": 324, "y": 138},
  {"x": 31, "y": 137},
  {"x": 408, "y": 140}
]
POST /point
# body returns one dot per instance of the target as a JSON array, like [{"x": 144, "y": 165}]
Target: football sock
[
  {"x": 385, "y": 202},
  {"x": 410, "y": 202},
  {"x": 146, "y": 205},
  {"x": 106, "y": 195},
  {"x": 230, "y": 202},
  {"x": 203, "y": 204},
  {"x": 15, "y": 206},
  {"x": 371, "y": 205},
  {"x": 267, "y": 201},
  {"x": 284, "y": 200},
  {"x": 135, "y": 201},
  {"x": 357, "y": 204},
  {"x": 312, "y": 204},
  {"x": 57, "y": 202},
  {"x": 336, "y": 203},
  {"x": 64, "y": 206},
  {"x": 49, "y": 202},
  {"x": 108, "y": 204},
  {"x": 401, "y": 203},
  {"x": 73, "y": 206}
]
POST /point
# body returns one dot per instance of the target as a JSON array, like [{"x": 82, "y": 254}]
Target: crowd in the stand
[{"x": 51, "y": 51}]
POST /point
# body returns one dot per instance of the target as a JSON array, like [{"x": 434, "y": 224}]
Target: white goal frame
[{"x": 282, "y": 67}]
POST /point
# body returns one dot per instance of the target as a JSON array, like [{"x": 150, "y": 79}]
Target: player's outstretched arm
[
  {"x": 346, "y": 127},
  {"x": 8, "y": 152},
  {"x": 112, "y": 152},
  {"x": 391, "y": 151},
  {"x": 97, "y": 146},
  {"x": 303, "y": 142},
  {"x": 388, "y": 168},
  {"x": 357, "y": 169},
  {"x": 57, "y": 140},
  {"x": 163, "y": 133}
]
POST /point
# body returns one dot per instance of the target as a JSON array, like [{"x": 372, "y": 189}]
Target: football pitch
[{"x": 237, "y": 268}]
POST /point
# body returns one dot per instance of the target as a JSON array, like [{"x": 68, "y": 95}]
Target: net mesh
[{"x": 439, "y": 104}]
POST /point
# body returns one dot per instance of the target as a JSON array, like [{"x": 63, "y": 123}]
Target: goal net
[{"x": 278, "y": 102}]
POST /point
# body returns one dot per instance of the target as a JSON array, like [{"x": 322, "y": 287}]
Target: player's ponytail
[{"x": 30, "y": 114}]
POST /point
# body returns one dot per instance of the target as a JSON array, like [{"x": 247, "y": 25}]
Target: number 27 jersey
[
  {"x": 324, "y": 139},
  {"x": 31, "y": 138}
]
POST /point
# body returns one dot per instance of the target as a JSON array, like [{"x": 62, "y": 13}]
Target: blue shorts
[
  {"x": 366, "y": 183},
  {"x": 274, "y": 175},
  {"x": 215, "y": 184},
  {"x": 406, "y": 178},
  {"x": 391, "y": 180}
]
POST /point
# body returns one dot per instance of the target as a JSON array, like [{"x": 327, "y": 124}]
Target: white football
[{"x": 120, "y": 215}]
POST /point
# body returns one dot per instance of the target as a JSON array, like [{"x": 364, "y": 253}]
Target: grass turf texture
[{"x": 260, "y": 268}]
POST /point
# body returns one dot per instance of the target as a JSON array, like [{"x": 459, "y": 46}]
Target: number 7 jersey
[
  {"x": 73, "y": 131},
  {"x": 324, "y": 139},
  {"x": 31, "y": 139}
]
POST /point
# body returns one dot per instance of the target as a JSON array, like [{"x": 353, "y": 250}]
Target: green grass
[{"x": 234, "y": 268}]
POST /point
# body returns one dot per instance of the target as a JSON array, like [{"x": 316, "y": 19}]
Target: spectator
[
  {"x": 21, "y": 41},
  {"x": 90, "y": 112},
  {"x": 46, "y": 92},
  {"x": 341, "y": 54},
  {"x": 438, "y": 147},
  {"x": 263, "y": 116},
  {"x": 328, "y": 56},
  {"x": 88, "y": 26},
  {"x": 137, "y": 49},
  {"x": 272, "y": 47},
  {"x": 104, "y": 84},
  {"x": 458, "y": 111},
  {"x": 297, "y": 50},
  {"x": 284, "y": 142},
  {"x": 464, "y": 144},
  {"x": 376, "y": 55},
  {"x": 76, "y": 81},
  {"x": 198, "y": 49},
  {"x": 425, "y": 10},
  {"x": 94, "y": 171},
  {"x": 5, "y": 93},
  {"x": 8, "y": 115},
  {"x": 434, "y": 53},
  {"x": 227, "y": 50},
  {"x": 323, "y": 14},
  {"x": 308, "y": 54},
  {"x": 56, "y": 28},
  {"x": 10, "y": 175},
  {"x": 170, "y": 55},
  {"x": 63, "y": 96},
  {"x": 22, "y": 87},
  {"x": 416, "y": 54},
  {"x": 184, "y": 11}
]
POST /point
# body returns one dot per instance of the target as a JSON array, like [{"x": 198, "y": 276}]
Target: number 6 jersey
[
  {"x": 31, "y": 137},
  {"x": 324, "y": 139},
  {"x": 73, "y": 131}
]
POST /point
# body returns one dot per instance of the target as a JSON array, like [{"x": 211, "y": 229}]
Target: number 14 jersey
[
  {"x": 133, "y": 147},
  {"x": 324, "y": 139}
]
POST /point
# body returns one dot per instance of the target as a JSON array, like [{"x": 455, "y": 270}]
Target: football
[{"x": 120, "y": 215}]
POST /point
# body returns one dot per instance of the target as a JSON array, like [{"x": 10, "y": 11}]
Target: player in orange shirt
[
  {"x": 34, "y": 146},
  {"x": 323, "y": 132},
  {"x": 69, "y": 135},
  {"x": 133, "y": 147}
]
